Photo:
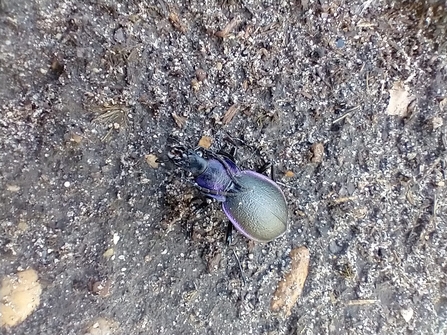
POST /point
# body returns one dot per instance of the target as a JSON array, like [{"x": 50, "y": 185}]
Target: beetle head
[{"x": 188, "y": 159}]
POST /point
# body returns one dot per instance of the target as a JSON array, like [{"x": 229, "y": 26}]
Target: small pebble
[
  {"x": 407, "y": 314},
  {"x": 340, "y": 43},
  {"x": 116, "y": 238}
]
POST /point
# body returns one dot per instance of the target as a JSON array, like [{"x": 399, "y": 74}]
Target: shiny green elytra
[{"x": 260, "y": 211}]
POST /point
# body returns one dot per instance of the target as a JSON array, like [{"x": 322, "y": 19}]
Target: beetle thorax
[{"x": 215, "y": 177}]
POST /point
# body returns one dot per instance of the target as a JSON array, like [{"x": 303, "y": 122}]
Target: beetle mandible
[{"x": 254, "y": 203}]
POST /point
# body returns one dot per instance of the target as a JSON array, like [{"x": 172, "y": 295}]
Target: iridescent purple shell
[{"x": 253, "y": 202}]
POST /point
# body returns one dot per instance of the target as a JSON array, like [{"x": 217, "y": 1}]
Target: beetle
[{"x": 254, "y": 203}]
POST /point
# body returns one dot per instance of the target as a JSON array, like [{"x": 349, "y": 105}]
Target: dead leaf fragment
[
  {"x": 290, "y": 289},
  {"x": 305, "y": 4},
  {"x": 443, "y": 105},
  {"x": 19, "y": 297},
  {"x": 152, "y": 160},
  {"x": 317, "y": 152},
  {"x": 400, "y": 99},
  {"x": 22, "y": 226},
  {"x": 214, "y": 261},
  {"x": 289, "y": 174},
  {"x": 195, "y": 84},
  {"x": 57, "y": 67},
  {"x": 228, "y": 28},
  {"x": 102, "y": 288},
  {"x": 230, "y": 113},
  {"x": 75, "y": 138},
  {"x": 359, "y": 213},
  {"x": 13, "y": 188},
  {"x": 102, "y": 326},
  {"x": 205, "y": 142},
  {"x": 179, "y": 120},
  {"x": 108, "y": 253},
  {"x": 437, "y": 122},
  {"x": 176, "y": 22}
]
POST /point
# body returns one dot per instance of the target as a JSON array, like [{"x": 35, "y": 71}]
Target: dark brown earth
[{"x": 88, "y": 89}]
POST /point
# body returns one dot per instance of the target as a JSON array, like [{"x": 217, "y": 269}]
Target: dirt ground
[{"x": 90, "y": 92}]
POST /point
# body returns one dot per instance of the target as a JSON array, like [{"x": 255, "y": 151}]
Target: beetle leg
[
  {"x": 272, "y": 172},
  {"x": 265, "y": 167},
  {"x": 218, "y": 195},
  {"x": 200, "y": 202},
  {"x": 233, "y": 153},
  {"x": 240, "y": 268},
  {"x": 206, "y": 190},
  {"x": 230, "y": 155},
  {"x": 235, "y": 141},
  {"x": 229, "y": 233}
]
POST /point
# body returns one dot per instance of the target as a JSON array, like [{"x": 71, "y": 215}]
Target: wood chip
[
  {"x": 19, "y": 297},
  {"x": 317, "y": 152},
  {"x": 179, "y": 120},
  {"x": 152, "y": 160},
  {"x": 342, "y": 200},
  {"x": 360, "y": 302},
  {"x": 306, "y": 95},
  {"x": 228, "y": 28},
  {"x": 230, "y": 113},
  {"x": 205, "y": 142},
  {"x": 290, "y": 289},
  {"x": 400, "y": 99},
  {"x": 289, "y": 174}
]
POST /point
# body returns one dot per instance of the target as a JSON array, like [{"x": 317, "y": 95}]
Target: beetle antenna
[{"x": 240, "y": 267}]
